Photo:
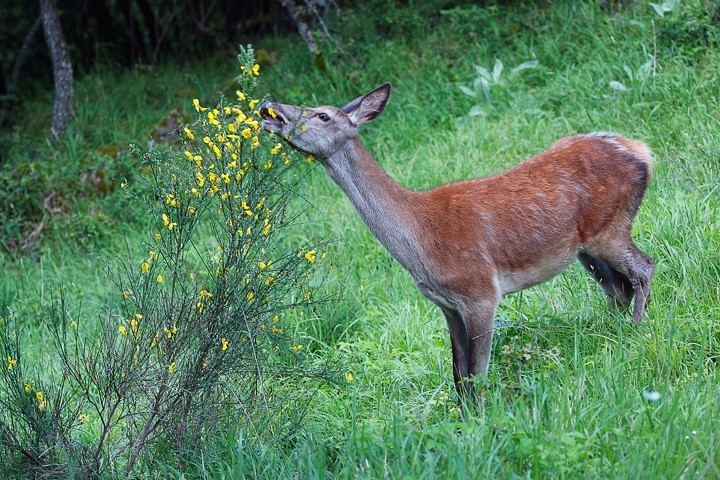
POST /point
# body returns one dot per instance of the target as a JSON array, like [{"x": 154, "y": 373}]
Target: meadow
[{"x": 574, "y": 389}]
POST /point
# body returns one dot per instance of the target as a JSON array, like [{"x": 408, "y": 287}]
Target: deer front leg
[
  {"x": 460, "y": 349},
  {"x": 479, "y": 320}
]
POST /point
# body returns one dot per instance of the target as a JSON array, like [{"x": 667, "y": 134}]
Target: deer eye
[{"x": 323, "y": 116}]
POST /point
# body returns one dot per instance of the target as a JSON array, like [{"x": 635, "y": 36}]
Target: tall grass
[{"x": 573, "y": 387}]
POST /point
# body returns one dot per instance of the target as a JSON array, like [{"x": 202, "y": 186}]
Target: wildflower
[
  {"x": 224, "y": 344},
  {"x": 198, "y": 108},
  {"x": 240, "y": 95},
  {"x": 145, "y": 267},
  {"x": 231, "y": 128},
  {"x": 123, "y": 185},
  {"x": 41, "y": 400},
  {"x": 256, "y": 69},
  {"x": 11, "y": 362},
  {"x": 276, "y": 149},
  {"x": 296, "y": 348},
  {"x": 171, "y": 368},
  {"x": 154, "y": 255},
  {"x": 310, "y": 159},
  {"x": 302, "y": 128},
  {"x": 651, "y": 396},
  {"x": 159, "y": 279},
  {"x": 27, "y": 388},
  {"x": 246, "y": 133},
  {"x": 134, "y": 325},
  {"x": 262, "y": 265},
  {"x": 188, "y": 154},
  {"x": 73, "y": 324},
  {"x": 189, "y": 134},
  {"x": 83, "y": 418},
  {"x": 349, "y": 377},
  {"x": 127, "y": 294},
  {"x": 250, "y": 295},
  {"x": 158, "y": 236},
  {"x": 310, "y": 256},
  {"x": 123, "y": 330},
  {"x": 252, "y": 103},
  {"x": 201, "y": 179}
]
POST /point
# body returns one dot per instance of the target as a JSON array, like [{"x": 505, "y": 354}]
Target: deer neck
[{"x": 383, "y": 204}]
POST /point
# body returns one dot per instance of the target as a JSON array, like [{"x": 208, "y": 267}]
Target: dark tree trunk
[
  {"x": 62, "y": 69},
  {"x": 6, "y": 106}
]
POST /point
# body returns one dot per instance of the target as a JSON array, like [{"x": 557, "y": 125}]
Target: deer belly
[{"x": 521, "y": 278}]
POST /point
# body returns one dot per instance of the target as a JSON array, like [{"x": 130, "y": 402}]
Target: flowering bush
[{"x": 194, "y": 343}]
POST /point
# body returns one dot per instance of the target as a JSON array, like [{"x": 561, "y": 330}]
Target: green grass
[{"x": 576, "y": 407}]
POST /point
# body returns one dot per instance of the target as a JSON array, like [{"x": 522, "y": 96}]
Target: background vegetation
[{"x": 573, "y": 389}]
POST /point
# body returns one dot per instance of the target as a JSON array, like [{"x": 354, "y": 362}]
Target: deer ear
[{"x": 366, "y": 108}]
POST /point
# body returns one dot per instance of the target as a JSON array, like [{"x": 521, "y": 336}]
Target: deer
[{"x": 468, "y": 243}]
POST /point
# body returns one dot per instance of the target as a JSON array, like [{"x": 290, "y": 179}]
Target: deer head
[{"x": 323, "y": 130}]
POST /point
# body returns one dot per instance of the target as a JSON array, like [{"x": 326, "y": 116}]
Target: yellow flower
[
  {"x": 145, "y": 267},
  {"x": 41, "y": 399},
  {"x": 296, "y": 348},
  {"x": 240, "y": 95},
  {"x": 252, "y": 103},
  {"x": 188, "y": 154},
  {"x": 123, "y": 185},
  {"x": 310, "y": 256},
  {"x": 158, "y": 236},
  {"x": 310, "y": 159},
  {"x": 302, "y": 128},
  {"x": 27, "y": 388},
  {"x": 256, "y": 70},
  {"x": 171, "y": 368},
  {"x": 224, "y": 344},
  {"x": 154, "y": 255},
  {"x": 73, "y": 324},
  {"x": 159, "y": 279},
  {"x": 349, "y": 377},
  {"x": 231, "y": 128},
  {"x": 127, "y": 294},
  {"x": 165, "y": 219},
  {"x": 11, "y": 362},
  {"x": 250, "y": 295},
  {"x": 83, "y": 418},
  {"x": 134, "y": 325},
  {"x": 276, "y": 149},
  {"x": 123, "y": 330},
  {"x": 198, "y": 108},
  {"x": 191, "y": 210},
  {"x": 246, "y": 133},
  {"x": 200, "y": 179},
  {"x": 189, "y": 134}
]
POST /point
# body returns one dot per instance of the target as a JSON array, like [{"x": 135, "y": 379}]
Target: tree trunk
[{"x": 62, "y": 69}]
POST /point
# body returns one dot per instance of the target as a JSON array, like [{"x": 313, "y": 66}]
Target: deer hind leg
[
  {"x": 636, "y": 265},
  {"x": 617, "y": 285}
]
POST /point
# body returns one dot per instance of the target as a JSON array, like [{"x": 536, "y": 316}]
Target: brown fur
[{"x": 468, "y": 243}]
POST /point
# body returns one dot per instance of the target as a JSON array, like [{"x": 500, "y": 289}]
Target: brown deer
[{"x": 467, "y": 243}]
